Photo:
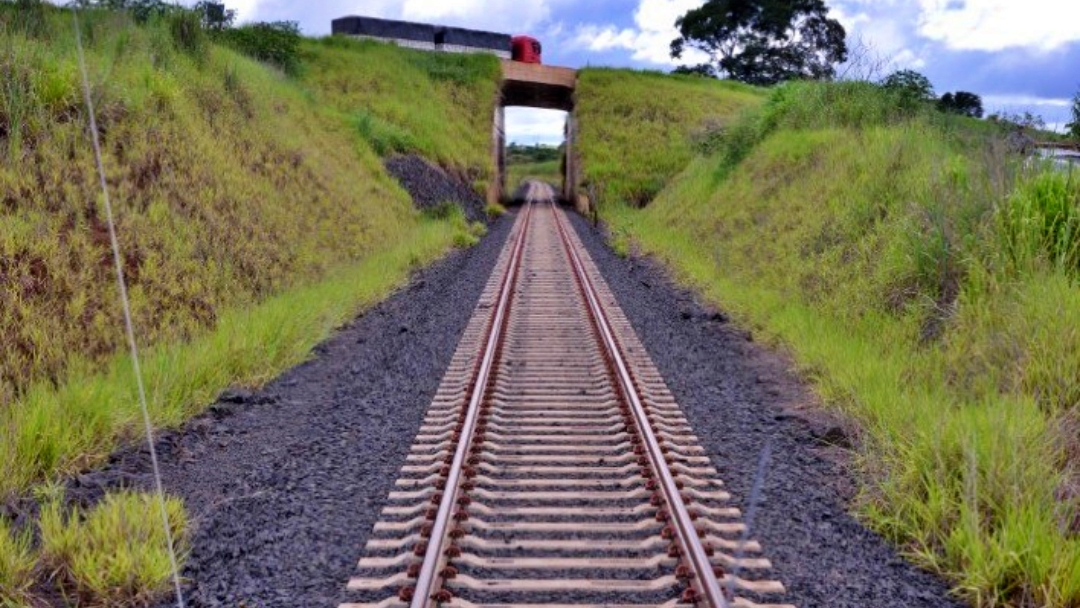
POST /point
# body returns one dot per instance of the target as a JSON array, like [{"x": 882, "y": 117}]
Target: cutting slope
[
  {"x": 927, "y": 281},
  {"x": 233, "y": 184},
  {"x": 637, "y": 130}
]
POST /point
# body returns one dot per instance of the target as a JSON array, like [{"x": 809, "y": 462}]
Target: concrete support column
[
  {"x": 497, "y": 191},
  {"x": 570, "y": 171}
]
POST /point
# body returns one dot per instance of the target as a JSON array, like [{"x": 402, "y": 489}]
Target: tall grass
[
  {"x": 1041, "y": 221},
  {"x": 58, "y": 430},
  {"x": 18, "y": 563},
  {"x": 921, "y": 277}
]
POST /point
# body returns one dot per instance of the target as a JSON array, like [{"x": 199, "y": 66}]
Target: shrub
[{"x": 276, "y": 43}]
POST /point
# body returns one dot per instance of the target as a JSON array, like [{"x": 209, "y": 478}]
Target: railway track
[{"x": 554, "y": 467}]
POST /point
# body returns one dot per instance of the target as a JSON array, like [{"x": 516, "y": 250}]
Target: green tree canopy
[
  {"x": 911, "y": 84},
  {"x": 1074, "y": 126},
  {"x": 701, "y": 69},
  {"x": 963, "y": 103},
  {"x": 764, "y": 42}
]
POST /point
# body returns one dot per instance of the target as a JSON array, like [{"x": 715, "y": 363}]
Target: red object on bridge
[{"x": 526, "y": 49}]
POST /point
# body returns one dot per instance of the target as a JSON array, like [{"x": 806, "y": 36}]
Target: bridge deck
[{"x": 538, "y": 86}]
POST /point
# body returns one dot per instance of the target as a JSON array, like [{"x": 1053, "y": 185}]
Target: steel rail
[
  {"x": 429, "y": 576},
  {"x": 707, "y": 584}
]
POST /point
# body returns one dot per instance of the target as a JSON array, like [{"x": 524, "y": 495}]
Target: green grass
[
  {"x": 401, "y": 100},
  {"x": 114, "y": 554},
  {"x": 637, "y": 130},
  {"x": 254, "y": 215},
  {"x": 55, "y": 431},
  {"x": 547, "y": 171},
  {"x": 926, "y": 282},
  {"x": 17, "y": 566}
]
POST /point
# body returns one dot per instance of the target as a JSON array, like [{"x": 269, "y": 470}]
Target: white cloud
[
  {"x": 650, "y": 39},
  {"x": 245, "y": 9},
  {"x": 1026, "y": 100},
  {"x": 502, "y": 16},
  {"x": 531, "y": 125},
  {"x": 991, "y": 25}
]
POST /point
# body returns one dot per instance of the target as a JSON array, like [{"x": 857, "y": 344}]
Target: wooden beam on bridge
[{"x": 538, "y": 86}]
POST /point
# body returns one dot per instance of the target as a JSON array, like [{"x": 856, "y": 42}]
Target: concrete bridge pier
[{"x": 535, "y": 86}]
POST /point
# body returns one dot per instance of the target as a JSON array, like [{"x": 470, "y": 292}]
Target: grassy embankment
[
  {"x": 254, "y": 216},
  {"x": 639, "y": 129},
  {"x": 923, "y": 278},
  {"x": 436, "y": 105}
]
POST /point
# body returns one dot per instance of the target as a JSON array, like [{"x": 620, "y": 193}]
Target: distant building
[{"x": 424, "y": 36}]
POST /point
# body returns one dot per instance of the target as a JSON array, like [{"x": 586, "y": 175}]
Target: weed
[
  {"x": 385, "y": 138},
  {"x": 232, "y": 183},
  {"x": 253, "y": 221},
  {"x": 438, "y": 105},
  {"x": 27, "y": 17},
  {"x": 444, "y": 211}
]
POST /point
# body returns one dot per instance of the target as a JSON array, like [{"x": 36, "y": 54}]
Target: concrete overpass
[{"x": 535, "y": 86}]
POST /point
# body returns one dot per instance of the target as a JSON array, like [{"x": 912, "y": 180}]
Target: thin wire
[
  {"x": 755, "y": 498},
  {"x": 128, "y": 324}
]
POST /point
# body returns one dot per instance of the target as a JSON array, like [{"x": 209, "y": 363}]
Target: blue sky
[{"x": 1018, "y": 54}]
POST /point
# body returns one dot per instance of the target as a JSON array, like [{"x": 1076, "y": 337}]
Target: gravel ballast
[
  {"x": 284, "y": 484},
  {"x": 431, "y": 186}
]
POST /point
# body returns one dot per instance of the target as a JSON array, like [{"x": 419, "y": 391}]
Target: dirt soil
[{"x": 285, "y": 483}]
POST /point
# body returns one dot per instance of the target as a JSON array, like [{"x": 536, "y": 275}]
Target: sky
[{"x": 1017, "y": 54}]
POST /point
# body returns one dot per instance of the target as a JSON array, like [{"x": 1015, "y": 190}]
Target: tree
[
  {"x": 1074, "y": 126},
  {"x": 963, "y": 103},
  {"x": 910, "y": 84},
  {"x": 764, "y": 42},
  {"x": 864, "y": 63},
  {"x": 701, "y": 69},
  {"x": 1027, "y": 120},
  {"x": 215, "y": 15}
]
